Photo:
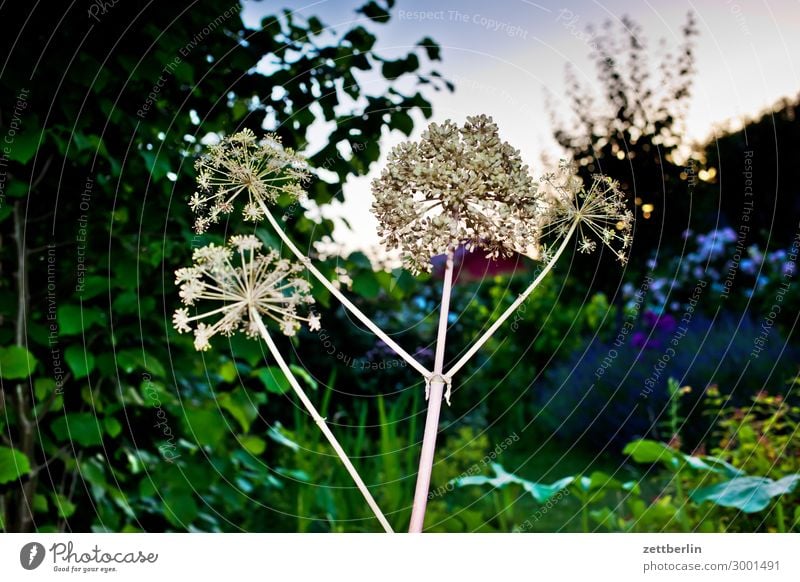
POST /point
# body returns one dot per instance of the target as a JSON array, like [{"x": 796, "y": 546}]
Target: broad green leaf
[
  {"x": 228, "y": 373},
  {"x": 722, "y": 467},
  {"x": 80, "y": 427},
  {"x": 137, "y": 360},
  {"x": 647, "y": 451},
  {"x": 180, "y": 508},
  {"x": 112, "y": 425},
  {"x": 304, "y": 376},
  {"x": 276, "y": 434},
  {"x": 80, "y": 361},
  {"x": 207, "y": 426},
  {"x": 13, "y": 464},
  {"x": 366, "y": 285},
  {"x": 40, "y": 503},
  {"x": 541, "y": 492},
  {"x": 253, "y": 444},
  {"x": 241, "y": 406},
  {"x": 26, "y": 142},
  {"x": 72, "y": 320},
  {"x": 273, "y": 379},
  {"x": 16, "y": 363},
  {"x": 64, "y": 506},
  {"x": 750, "y": 494}
]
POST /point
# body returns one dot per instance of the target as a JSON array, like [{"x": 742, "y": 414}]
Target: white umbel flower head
[
  {"x": 600, "y": 212},
  {"x": 242, "y": 165},
  {"x": 234, "y": 280},
  {"x": 456, "y": 186}
]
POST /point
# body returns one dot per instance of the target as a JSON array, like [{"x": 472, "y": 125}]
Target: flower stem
[
  {"x": 436, "y": 385},
  {"x": 513, "y": 307},
  {"x": 320, "y": 422},
  {"x": 344, "y": 300},
  {"x": 780, "y": 519}
]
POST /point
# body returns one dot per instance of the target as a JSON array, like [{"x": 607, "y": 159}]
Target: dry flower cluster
[
  {"x": 456, "y": 186},
  {"x": 262, "y": 169},
  {"x": 464, "y": 186},
  {"x": 244, "y": 281}
]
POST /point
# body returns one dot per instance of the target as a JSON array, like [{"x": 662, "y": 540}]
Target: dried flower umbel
[
  {"x": 242, "y": 164},
  {"x": 252, "y": 285},
  {"x": 265, "y": 170},
  {"x": 243, "y": 281},
  {"x": 600, "y": 213},
  {"x": 457, "y": 186}
]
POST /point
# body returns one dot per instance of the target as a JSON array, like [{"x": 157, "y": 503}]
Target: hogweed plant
[
  {"x": 456, "y": 187},
  {"x": 464, "y": 186}
]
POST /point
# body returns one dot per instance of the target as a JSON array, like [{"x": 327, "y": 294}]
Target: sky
[{"x": 504, "y": 56}]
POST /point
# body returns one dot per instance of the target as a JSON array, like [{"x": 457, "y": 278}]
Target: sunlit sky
[{"x": 503, "y": 56}]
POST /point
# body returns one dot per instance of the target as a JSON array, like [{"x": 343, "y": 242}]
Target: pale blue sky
[{"x": 503, "y": 54}]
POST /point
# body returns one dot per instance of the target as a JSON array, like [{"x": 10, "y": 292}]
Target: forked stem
[
  {"x": 411, "y": 360},
  {"x": 320, "y": 421},
  {"x": 513, "y": 307},
  {"x": 436, "y": 386}
]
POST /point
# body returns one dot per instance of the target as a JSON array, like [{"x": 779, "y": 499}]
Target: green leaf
[
  {"x": 64, "y": 506},
  {"x": 40, "y": 503},
  {"x": 26, "y": 142},
  {"x": 205, "y": 425},
  {"x": 402, "y": 121},
  {"x": 73, "y": 320},
  {"x": 750, "y": 494},
  {"x": 273, "y": 379},
  {"x": 80, "y": 361},
  {"x": 112, "y": 426},
  {"x": 134, "y": 360},
  {"x": 366, "y": 285},
  {"x": 431, "y": 47},
  {"x": 228, "y": 372},
  {"x": 722, "y": 467},
  {"x": 241, "y": 406},
  {"x": 80, "y": 427},
  {"x": 180, "y": 508},
  {"x": 16, "y": 363},
  {"x": 276, "y": 434},
  {"x": 13, "y": 464},
  {"x": 541, "y": 492},
  {"x": 374, "y": 11},
  {"x": 647, "y": 451},
  {"x": 304, "y": 376},
  {"x": 253, "y": 444}
]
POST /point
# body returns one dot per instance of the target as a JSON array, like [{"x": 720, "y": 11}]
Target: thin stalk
[
  {"x": 320, "y": 421},
  {"x": 343, "y": 299},
  {"x": 513, "y": 307},
  {"x": 585, "y": 516},
  {"x": 436, "y": 382},
  {"x": 780, "y": 518},
  {"x": 681, "y": 502}
]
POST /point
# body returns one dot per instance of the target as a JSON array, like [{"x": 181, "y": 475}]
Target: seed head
[
  {"x": 241, "y": 164},
  {"x": 601, "y": 212},
  {"x": 456, "y": 186},
  {"x": 234, "y": 280}
]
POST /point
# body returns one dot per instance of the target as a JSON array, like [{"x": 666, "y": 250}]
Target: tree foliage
[{"x": 631, "y": 129}]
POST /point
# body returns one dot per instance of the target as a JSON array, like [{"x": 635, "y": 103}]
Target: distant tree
[
  {"x": 754, "y": 175},
  {"x": 632, "y": 129}
]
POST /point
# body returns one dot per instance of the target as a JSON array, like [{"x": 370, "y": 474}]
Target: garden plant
[{"x": 458, "y": 187}]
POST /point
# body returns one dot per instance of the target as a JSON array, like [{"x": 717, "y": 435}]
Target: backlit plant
[{"x": 458, "y": 187}]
